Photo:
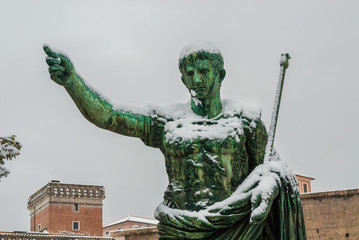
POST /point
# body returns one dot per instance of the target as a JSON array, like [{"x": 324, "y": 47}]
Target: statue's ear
[{"x": 222, "y": 74}]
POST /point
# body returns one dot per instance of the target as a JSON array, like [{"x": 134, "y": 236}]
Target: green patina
[{"x": 201, "y": 171}]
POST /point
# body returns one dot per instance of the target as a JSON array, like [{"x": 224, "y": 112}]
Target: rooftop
[
  {"x": 133, "y": 219},
  {"x": 56, "y": 188}
]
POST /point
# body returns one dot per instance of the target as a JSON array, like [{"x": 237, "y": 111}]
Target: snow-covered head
[
  {"x": 200, "y": 50},
  {"x": 201, "y": 66}
]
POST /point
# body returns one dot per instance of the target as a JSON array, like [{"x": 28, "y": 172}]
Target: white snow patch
[
  {"x": 189, "y": 126},
  {"x": 198, "y": 46},
  {"x": 193, "y": 93},
  {"x": 196, "y": 101}
]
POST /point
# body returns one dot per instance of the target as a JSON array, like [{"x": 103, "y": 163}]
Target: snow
[
  {"x": 133, "y": 219},
  {"x": 263, "y": 181},
  {"x": 198, "y": 46},
  {"x": 283, "y": 59},
  {"x": 4, "y": 171},
  {"x": 193, "y": 93},
  {"x": 196, "y": 101},
  {"x": 7, "y": 147},
  {"x": 194, "y": 164},
  {"x": 183, "y": 110},
  {"x": 188, "y": 126},
  {"x": 181, "y": 122}
]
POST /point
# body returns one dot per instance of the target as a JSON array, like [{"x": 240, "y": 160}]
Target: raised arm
[{"x": 92, "y": 106}]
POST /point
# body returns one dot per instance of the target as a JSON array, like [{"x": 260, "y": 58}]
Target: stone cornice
[
  {"x": 61, "y": 190},
  {"x": 330, "y": 194}
]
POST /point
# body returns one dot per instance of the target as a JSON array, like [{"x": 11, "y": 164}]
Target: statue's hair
[{"x": 216, "y": 59}]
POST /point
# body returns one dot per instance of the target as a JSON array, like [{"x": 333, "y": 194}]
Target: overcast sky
[{"x": 128, "y": 51}]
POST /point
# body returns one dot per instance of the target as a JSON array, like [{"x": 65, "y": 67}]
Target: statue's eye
[
  {"x": 190, "y": 73},
  {"x": 204, "y": 71}
]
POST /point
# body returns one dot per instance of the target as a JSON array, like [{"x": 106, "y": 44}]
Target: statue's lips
[{"x": 200, "y": 89}]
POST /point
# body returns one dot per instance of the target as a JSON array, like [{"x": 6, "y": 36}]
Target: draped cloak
[{"x": 231, "y": 221}]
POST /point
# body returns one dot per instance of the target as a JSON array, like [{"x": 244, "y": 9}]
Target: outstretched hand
[{"x": 60, "y": 67}]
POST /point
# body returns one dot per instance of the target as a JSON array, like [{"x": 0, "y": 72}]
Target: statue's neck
[{"x": 209, "y": 107}]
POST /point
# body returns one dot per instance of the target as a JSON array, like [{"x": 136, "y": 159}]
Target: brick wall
[
  {"x": 41, "y": 217},
  {"x": 331, "y": 215},
  {"x": 62, "y": 216}
]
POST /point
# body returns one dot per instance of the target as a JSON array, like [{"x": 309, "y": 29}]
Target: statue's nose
[{"x": 197, "y": 79}]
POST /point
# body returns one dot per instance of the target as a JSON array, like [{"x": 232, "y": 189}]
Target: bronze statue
[{"x": 219, "y": 187}]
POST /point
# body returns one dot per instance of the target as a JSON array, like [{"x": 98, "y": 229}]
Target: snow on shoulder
[
  {"x": 198, "y": 46},
  {"x": 229, "y": 107},
  {"x": 186, "y": 125}
]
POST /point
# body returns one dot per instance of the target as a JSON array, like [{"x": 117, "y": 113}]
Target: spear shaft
[{"x": 284, "y": 62}]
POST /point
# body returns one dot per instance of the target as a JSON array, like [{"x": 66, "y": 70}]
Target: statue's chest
[
  {"x": 192, "y": 136},
  {"x": 205, "y": 160}
]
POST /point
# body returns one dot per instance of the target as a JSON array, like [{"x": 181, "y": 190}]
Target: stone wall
[
  {"x": 136, "y": 234},
  {"x": 331, "y": 215}
]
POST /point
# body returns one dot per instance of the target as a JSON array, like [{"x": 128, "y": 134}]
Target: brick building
[{"x": 67, "y": 209}]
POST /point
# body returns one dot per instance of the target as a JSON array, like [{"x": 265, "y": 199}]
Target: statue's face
[{"x": 201, "y": 79}]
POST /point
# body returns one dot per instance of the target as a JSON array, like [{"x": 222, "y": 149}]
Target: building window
[
  {"x": 76, "y": 225},
  {"x": 305, "y": 187},
  {"x": 107, "y": 233},
  {"x": 119, "y": 228},
  {"x": 39, "y": 227},
  {"x": 76, "y": 207}
]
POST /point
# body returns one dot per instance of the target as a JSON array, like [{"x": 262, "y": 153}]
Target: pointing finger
[{"x": 49, "y": 52}]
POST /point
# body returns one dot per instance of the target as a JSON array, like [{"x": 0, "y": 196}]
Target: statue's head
[{"x": 201, "y": 65}]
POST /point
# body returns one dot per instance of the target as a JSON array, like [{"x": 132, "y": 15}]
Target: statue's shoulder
[
  {"x": 246, "y": 110},
  {"x": 249, "y": 113},
  {"x": 174, "y": 111}
]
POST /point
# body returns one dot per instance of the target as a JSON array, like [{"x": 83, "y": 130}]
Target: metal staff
[{"x": 284, "y": 62}]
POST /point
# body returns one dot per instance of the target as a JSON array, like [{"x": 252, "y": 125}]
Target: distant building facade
[
  {"x": 304, "y": 183},
  {"x": 132, "y": 228},
  {"x": 332, "y": 215},
  {"x": 67, "y": 209}
]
